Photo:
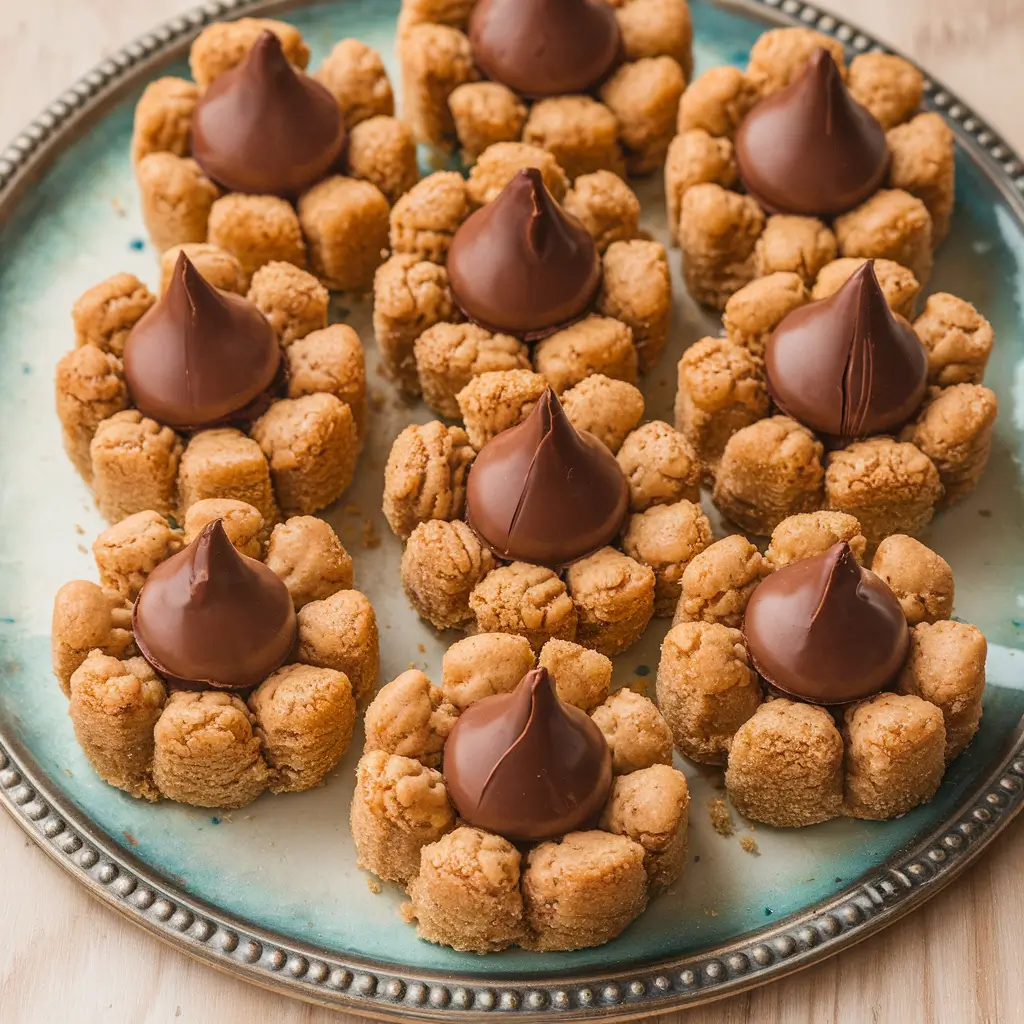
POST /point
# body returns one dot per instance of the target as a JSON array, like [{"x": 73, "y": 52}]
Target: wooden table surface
[{"x": 957, "y": 961}]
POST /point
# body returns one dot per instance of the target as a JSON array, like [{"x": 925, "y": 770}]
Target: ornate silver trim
[{"x": 375, "y": 988}]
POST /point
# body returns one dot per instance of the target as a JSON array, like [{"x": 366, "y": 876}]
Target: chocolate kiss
[
  {"x": 521, "y": 265},
  {"x": 847, "y": 366},
  {"x": 811, "y": 148},
  {"x": 265, "y": 127},
  {"x": 210, "y": 616},
  {"x": 201, "y": 357},
  {"x": 826, "y": 630},
  {"x": 543, "y": 492},
  {"x": 526, "y": 766},
  {"x": 545, "y": 47}
]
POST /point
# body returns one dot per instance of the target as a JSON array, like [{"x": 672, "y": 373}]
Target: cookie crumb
[
  {"x": 79, "y": 529},
  {"x": 374, "y": 886},
  {"x": 371, "y": 538},
  {"x": 129, "y": 838},
  {"x": 423, "y": 649},
  {"x": 749, "y": 845},
  {"x": 721, "y": 817},
  {"x": 405, "y": 911}
]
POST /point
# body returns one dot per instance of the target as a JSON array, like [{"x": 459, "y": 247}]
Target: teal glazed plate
[{"x": 271, "y": 892}]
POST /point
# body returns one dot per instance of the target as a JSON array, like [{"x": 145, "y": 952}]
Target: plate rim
[{"x": 373, "y": 987}]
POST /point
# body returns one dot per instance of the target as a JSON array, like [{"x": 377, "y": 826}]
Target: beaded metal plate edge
[{"x": 374, "y": 988}]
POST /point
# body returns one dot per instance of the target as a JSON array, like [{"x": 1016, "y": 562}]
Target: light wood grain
[{"x": 63, "y": 957}]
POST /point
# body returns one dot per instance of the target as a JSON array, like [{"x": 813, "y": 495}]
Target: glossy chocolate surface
[
  {"x": 521, "y": 265},
  {"x": 847, "y": 366},
  {"x": 201, "y": 357},
  {"x": 211, "y": 617},
  {"x": 811, "y": 148},
  {"x": 543, "y": 492},
  {"x": 545, "y": 47},
  {"x": 265, "y": 127},
  {"x": 826, "y": 630},
  {"x": 527, "y": 766}
]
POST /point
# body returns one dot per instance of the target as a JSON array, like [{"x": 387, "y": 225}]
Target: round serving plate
[{"x": 271, "y": 892}]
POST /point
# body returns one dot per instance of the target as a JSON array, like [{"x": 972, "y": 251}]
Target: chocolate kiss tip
[
  {"x": 811, "y": 149},
  {"x": 544, "y": 493},
  {"x": 545, "y": 47},
  {"x": 211, "y": 617},
  {"x": 521, "y": 265},
  {"x": 826, "y": 630},
  {"x": 527, "y": 766},
  {"x": 201, "y": 357},
  {"x": 847, "y": 366},
  {"x": 265, "y": 127}
]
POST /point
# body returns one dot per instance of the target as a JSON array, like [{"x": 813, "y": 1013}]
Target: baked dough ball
[
  {"x": 484, "y": 665},
  {"x": 425, "y": 476},
  {"x": 582, "y": 890},
  {"x": 667, "y": 538},
  {"x": 127, "y": 552},
  {"x": 411, "y": 717},
  {"x": 340, "y": 632},
  {"x": 706, "y": 688},
  {"x": 582, "y": 677},
  {"x": 946, "y": 666},
  {"x": 467, "y": 894},
  {"x": 635, "y": 730},
  {"x": 206, "y": 751},
  {"x": 398, "y": 807},
  {"x": 921, "y": 580},
  {"x": 442, "y": 564},
  {"x": 528, "y": 600},
  {"x": 114, "y": 708},
  {"x": 660, "y": 465},
  {"x": 242, "y": 523},
  {"x": 894, "y": 755},
  {"x": 651, "y": 807},
  {"x": 87, "y": 618},
  {"x": 718, "y": 582},
  {"x": 786, "y": 765},
  {"x": 812, "y": 533},
  {"x": 304, "y": 721},
  {"x": 310, "y": 559}
]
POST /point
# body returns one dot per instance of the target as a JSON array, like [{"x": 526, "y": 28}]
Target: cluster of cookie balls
[
  {"x": 216, "y": 661},
  {"x": 825, "y": 689},
  {"x": 799, "y": 159},
  {"x": 271, "y": 410},
  {"x": 268, "y": 163},
  {"x": 454, "y": 797},
  {"x": 596, "y": 84}
]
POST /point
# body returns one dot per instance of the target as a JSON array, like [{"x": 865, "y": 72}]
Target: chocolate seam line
[
  {"x": 529, "y": 473},
  {"x": 859, "y": 370}
]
